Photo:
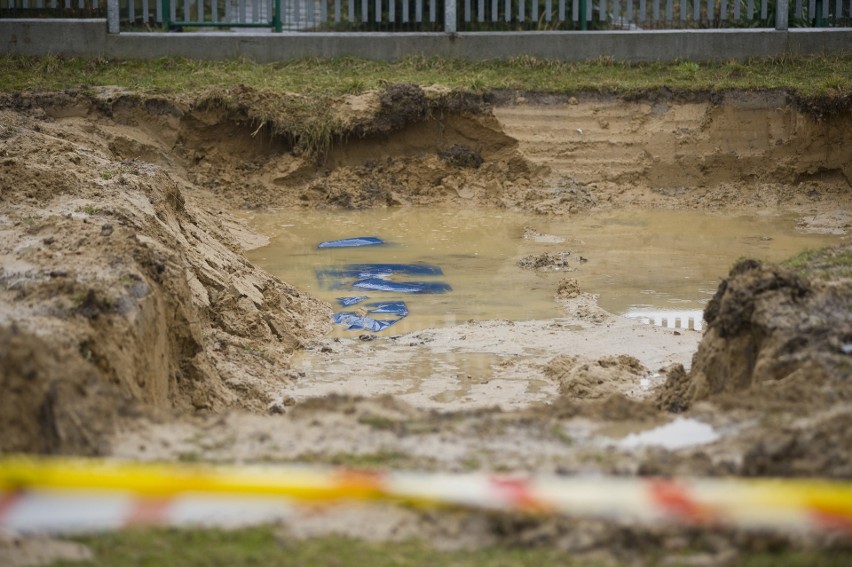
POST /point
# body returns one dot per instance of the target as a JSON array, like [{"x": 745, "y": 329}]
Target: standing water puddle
[
  {"x": 648, "y": 265},
  {"x": 641, "y": 263},
  {"x": 679, "y": 433}
]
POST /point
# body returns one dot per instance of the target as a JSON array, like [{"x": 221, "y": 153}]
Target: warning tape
[{"x": 62, "y": 495}]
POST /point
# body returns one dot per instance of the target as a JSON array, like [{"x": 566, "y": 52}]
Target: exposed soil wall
[{"x": 121, "y": 292}]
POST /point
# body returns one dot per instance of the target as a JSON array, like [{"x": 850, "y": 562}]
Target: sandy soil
[{"x": 132, "y": 326}]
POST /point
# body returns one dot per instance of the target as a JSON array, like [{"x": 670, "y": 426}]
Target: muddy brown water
[{"x": 634, "y": 260}]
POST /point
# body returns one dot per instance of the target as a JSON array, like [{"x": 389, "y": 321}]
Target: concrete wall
[
  {"x": 90, "y": 38},
  {"x": 84, "y": 38}
]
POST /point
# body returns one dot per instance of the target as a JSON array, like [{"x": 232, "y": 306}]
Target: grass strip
[
  {"x": 813, "y": 76},
  {"x": 266, "y": 546}
]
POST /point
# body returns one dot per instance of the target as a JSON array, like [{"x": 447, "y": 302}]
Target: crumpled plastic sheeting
[
  {"x": 378, "y": 270},
  {"x": 377, "y": 277},
  {"x": 379, "y": 284},
  {"x": 347, "y": 301},
  {"x": 392, "y": 307},
  {"x": 353, "y": 321},
  {"x": 362, "y": 271},
  {"x": 351, "y": 242}
]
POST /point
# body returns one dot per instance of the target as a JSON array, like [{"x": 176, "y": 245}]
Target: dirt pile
[
  {"x": 119, "y": 289},
  {"x": 547, "y": 262},
  {"x": 777, "y": 349},
  {"x": 768, "y": 326},
  {"x": 579, "y": 378}
]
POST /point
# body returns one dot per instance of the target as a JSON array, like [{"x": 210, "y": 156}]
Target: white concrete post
[
  {"x": 781, "y": 8},
  {"x": 450, "y": 16},
  {"x": 112, "y": 16}
]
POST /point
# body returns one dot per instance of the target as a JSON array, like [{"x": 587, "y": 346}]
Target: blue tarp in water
[
  {"x": 353, "y": 321},
  {"x": 347, "y": 301},
  {"x": 392, "y": 307},
  {"x": 351, "y": 242},
  {"x": 377, "y": 277},
  {"x": 379, "y": 284},
  {"x": 361, "y": 271},
  {"x": 370, "y": 270}
]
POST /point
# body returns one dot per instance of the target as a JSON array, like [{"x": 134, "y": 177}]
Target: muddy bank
[
  {"x": 408, "y": 145},
  {"x": 121, "y": 289}
]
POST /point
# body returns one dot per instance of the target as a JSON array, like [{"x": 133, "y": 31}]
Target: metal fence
[
  {"x": 53, "y": 8},
  {"x": 447, "y": 15},
  {"x": 490, "y": 15}
]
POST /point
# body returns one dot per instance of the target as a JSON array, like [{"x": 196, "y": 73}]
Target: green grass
[
  {"x": 262, "y": 547},
  {"x": 379, "y": 422},
  {"x": 90, "y": 210},
  {"x": 806, "y": 76},
  {"x": 832, "y": 263},
  {"x": 376, "y": 460}
]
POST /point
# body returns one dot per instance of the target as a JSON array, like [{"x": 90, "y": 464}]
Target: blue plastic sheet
[
  {"x": 347, "y": 301},
  {"x": 379, "y": 284},
  {"x": 361, "y": 271},
  {"x": 377, "y": 277},
  {"x": 353, "y": 321},
  {"x": 351, "y": 242},
  {"x": 392, "y": 307},
  {"x": 371, "y": 270}
]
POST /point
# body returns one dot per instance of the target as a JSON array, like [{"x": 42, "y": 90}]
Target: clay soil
[{"x": 131, "y": 324}]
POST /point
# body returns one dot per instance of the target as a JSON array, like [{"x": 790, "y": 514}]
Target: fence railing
[
  {"x": 448, "y": 15},
  {"x": 490, "y": 15},
  {"x": 53, "y": 8}
]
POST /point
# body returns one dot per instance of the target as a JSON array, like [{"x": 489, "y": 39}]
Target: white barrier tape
[
  {"x": 69, "y": 495},
  {"x": 69, "y": 511}
]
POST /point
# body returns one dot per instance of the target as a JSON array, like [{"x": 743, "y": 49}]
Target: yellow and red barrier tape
[{"x": 55, "y": 495}]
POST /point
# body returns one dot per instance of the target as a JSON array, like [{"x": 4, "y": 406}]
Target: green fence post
[
  {"x": 166, "y": 15},
  {"x": 276, "y": 19},
  {"x": 583, "y": 15}
]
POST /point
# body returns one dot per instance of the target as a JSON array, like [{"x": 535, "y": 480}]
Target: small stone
[{"x": 106, "y": 229}]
